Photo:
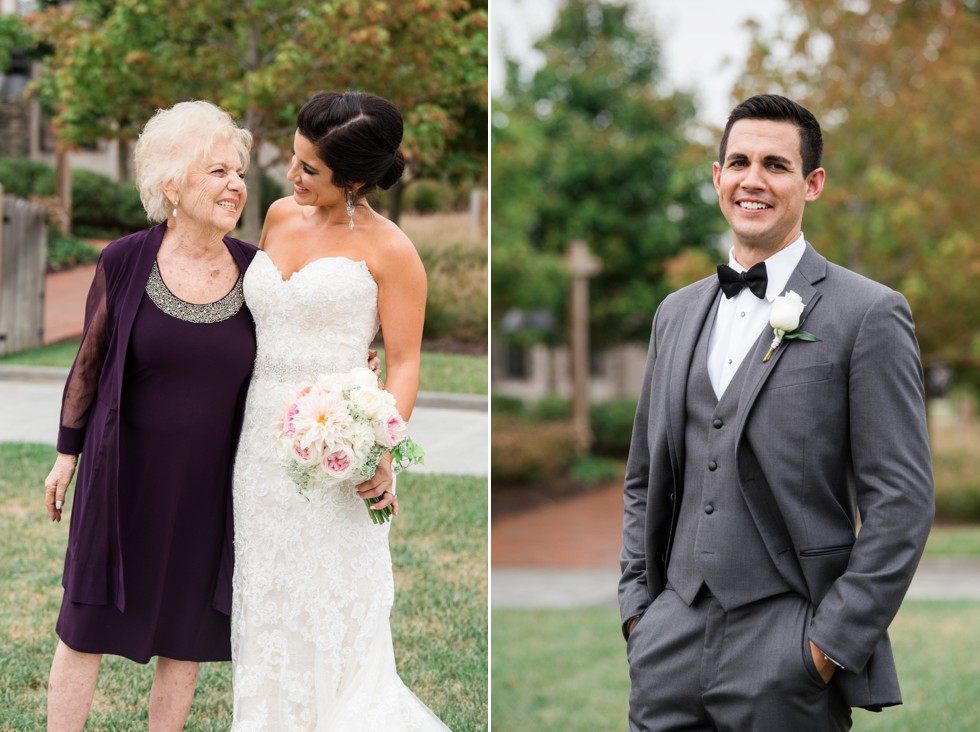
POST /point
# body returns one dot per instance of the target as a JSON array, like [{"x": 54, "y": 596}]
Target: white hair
[{"x": 175, "y": 139}]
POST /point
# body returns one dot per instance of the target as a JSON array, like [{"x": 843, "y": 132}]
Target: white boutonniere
[{"x": 785, "y": 321}]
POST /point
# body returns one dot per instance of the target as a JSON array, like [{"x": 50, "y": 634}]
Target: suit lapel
[
  {"x": 811, "y": 269},
  {"x": 761, "y": 503},
  {"x": 681, "y": 359}
]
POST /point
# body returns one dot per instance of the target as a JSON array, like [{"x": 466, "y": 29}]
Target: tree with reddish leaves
[
  {"x": 112, "y": 64},
  {"x": 896, "y": 86}
]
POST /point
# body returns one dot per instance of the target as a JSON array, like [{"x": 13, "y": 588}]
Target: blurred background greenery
[
  {"x": 592, "y": 139},
  {"x": 588, "y": 145}
]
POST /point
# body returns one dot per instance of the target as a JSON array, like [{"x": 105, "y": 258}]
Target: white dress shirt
[{"x": 740, "y": 320}]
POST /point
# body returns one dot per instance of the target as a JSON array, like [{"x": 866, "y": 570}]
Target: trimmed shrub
[
  {"x": 429, "y": 196},
  {"x": 612, "y": 426},
  {"x": 101, "y": 208},
  {"x": 26, "y": 178},
  {"x": 104, "y": 209},
  {"x": 501, "y": 404},
  {"x": 596, "y": 471},
  {"x": 456, "y": 306},
  {"x": 551, "y": 408},
  {"x": 525, "y": 452},
  {"x": 425, "y": 197},
  {"x": 65, "y": 252},
  {"x": 957, "y": 486},
  {"x": 271, "y": 190}
]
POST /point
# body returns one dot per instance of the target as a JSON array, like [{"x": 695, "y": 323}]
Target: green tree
[
  {"x": 115, "y": 61},
  {"x": 14, "y": 36},
  {"x": 589, "y": 149},
  {"x": 895, "y": 86}
]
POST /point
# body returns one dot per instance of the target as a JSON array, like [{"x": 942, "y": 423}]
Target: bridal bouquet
[{"x": 337, "y": 429}]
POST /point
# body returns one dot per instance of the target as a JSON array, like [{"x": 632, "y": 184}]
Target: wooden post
[
  {"x": 23, "y": 237},
  {"x": 63, "y": 188},
  {"x": 582, "y": 266}
]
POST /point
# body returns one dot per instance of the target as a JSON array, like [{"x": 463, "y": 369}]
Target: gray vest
[{"x": 716, "y": 542}]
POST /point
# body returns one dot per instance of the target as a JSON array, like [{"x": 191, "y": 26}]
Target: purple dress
[{"x": 185, "y": 370}]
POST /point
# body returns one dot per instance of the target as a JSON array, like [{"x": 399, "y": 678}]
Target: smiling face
[
  {"x": 761, "y": 187},
  {"x": 311, "y": 178},
  {"x": 214, "y": 194}
]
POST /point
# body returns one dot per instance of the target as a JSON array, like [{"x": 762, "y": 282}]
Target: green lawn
[
  {"x": 951, "y": 540},
  {"x": 57, "y": 354},
  {"x": 440, "y": 371},
  {"x": 439, "y": 623},
  {"x": 565, "y": 671}
]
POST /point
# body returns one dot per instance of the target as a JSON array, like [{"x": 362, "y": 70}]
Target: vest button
[
  {"x": 718, "y": 424},
  {"x": 712, "y": 465},
  {"x": 709, "y": 509}
]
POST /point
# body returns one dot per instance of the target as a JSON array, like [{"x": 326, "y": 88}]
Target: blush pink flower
[
  {"x": 390, "y": 432},
  {"x": 303, "y": 455},
  {"x": 288, "y": 422},
  {"x": 339, "y": 463}
]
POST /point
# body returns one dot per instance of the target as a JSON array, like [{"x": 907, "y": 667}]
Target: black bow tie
[{"x": 732, "y": 282}]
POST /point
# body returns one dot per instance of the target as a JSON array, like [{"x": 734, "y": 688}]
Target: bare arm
[{"x": 401, "y": 307}]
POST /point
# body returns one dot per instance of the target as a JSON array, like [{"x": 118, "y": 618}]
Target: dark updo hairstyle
[{"x": 357, "y": 135}]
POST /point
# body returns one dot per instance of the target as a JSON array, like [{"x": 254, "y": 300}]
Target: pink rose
[
  {"x": 391, "y": 431},
  {"x": 288, "y": 426},
  {"x": 302, "y": 455},
  {"x": 338, "y": 463},
  {"x": 396, "y": 429}
]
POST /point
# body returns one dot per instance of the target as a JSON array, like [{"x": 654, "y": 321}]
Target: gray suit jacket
[{"x": 833, "y": 461}]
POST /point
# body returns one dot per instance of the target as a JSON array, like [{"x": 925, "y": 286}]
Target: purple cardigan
[{"x": 90, "y": 422}]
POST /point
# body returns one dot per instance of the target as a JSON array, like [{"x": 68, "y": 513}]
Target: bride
[{"x": 312, "y": 589}]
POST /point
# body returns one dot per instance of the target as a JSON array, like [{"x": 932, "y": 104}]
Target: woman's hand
[
  {"x": 374, "y": 363},
  {"x": 56, "y": 484},
  {"x": 381, "y": 485}
]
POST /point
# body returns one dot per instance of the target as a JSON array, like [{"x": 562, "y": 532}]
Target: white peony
[{"x": 368, "y": 402}]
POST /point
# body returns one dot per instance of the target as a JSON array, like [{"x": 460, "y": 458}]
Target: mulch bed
[{"x": 511, "y": 499}]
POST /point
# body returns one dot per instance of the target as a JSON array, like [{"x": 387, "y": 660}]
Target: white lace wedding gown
[{"x": 311, "y": 642}]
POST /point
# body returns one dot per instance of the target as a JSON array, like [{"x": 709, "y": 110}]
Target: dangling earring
[
  {"x": 175, "y": 208},
  {"x": 350, "y": 208}
]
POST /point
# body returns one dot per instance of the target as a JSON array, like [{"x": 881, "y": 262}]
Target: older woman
[{"x": 154, "y": 402}]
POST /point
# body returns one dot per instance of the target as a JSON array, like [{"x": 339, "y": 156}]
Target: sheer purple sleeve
[{"x": 83, "y": 379}]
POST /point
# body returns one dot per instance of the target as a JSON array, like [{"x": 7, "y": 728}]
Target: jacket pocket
[
  {"x": 800, "y": 375},
  {"x": 808, "y": 662},
  {"x": 824, "y": 551}
]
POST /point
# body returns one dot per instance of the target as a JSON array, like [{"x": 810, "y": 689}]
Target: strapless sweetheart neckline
[{"x": 287, "y": 280}]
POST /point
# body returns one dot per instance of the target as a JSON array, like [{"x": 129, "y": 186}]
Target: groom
[{"x": 775, "y": 510}]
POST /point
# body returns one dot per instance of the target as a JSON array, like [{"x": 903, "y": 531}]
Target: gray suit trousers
[{"x": 746, "y": 670}]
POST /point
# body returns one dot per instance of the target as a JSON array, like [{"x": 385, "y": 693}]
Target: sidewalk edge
[{"x": 429, "y": 399}]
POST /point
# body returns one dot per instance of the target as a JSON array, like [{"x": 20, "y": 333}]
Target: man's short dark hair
[{"x": 780, "y": 109}]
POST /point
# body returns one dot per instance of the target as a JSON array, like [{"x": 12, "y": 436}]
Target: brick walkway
[
  {"x": 64, "y": 302},
  {"x": 582, "y": 531}
]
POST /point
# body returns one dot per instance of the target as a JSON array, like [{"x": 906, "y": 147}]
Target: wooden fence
[{"x": 23, "y": 252}]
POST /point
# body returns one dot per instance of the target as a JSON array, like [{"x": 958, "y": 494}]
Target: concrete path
[
  {"x": 938, "y": 578},
  {"x": 565, "y": 555},
  {"x": 453, "y": 429}
]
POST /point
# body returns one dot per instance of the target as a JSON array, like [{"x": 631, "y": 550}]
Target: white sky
[{"x": 703, "y": 42}]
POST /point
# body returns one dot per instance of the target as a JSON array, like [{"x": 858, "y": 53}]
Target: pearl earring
[{"x": 175, "y": 208}]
